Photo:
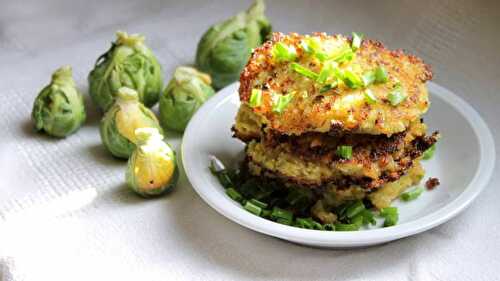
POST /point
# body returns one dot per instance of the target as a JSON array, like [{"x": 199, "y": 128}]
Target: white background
[{"x": 65, "y": 213}]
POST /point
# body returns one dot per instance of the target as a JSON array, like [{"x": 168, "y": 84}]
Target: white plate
[{"x": 463, "y": 162}]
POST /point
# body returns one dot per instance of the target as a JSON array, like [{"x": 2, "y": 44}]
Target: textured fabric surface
[{"x": 65, "y": 213}]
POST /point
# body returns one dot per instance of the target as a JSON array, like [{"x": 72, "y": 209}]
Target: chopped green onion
[
  {"x": 412, "y": 194},
  {"x": 328, "y": 87},
  {"x": 283, "y": 53},
  {"x": 370, "y": 98},
  {"x": 356, "y": 41},
  {"x": 381, "y": 75},
  {"x": 256, "y": 210},
  {"x": 281, "y": 102},
  {"x": 352, "y": 80},
  {"x": 356, "y": 208},
  {"x": 233, "y": 194},
  {"x": 396, "y": 96},
  {"x": 284, "y": 221},
  {"x": 368, "y": 217},
  {"x": 304, "y": 223},
  {"x": 316, "y": 225},
  {"x": 391, "y": 216},
  {"x": 368, "y": 78},
  {"x": 255, "y": 98},
  {"x": 222, "y": 176},
  {"x": 321, "y": 56},
  {"x": 357, "y": 220},
  {"x": 344, "y": 151},
  {"x": 429, "y": 152},
  {"x": 306, "y": 47},
  {"x": 346, "y": 227},
  {"x": 258, "y": 203},
  {"x": 329, "y": 227},
  {"x": 280, "y": 213},
  {"x": 265, "y": 213},
  {"x": 304, "y": 71},
  {"x": 325, "y": 73}
]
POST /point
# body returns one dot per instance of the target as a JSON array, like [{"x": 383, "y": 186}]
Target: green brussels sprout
[
  {"x": 152, "y": 168},
  {"x": 59, "y": 109},
  {"x": 225, "y": 48},
  {"x": 118, "y": 125},
  {"x": 185, "y": 93},
  {"x": 128, "y": 63}
]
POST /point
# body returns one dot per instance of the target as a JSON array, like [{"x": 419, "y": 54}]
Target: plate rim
[{"x": 237, "y": 214}]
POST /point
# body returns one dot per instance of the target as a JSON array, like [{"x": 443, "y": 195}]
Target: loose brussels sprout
[
  {"x": 185, "y": 93},
  {"x": 59, "y": 108},
  {"x": 119, "y": 124},
  {"x": 225, "y": 48},
  {"x": 128, "y": 63},
  {"x": 152, "y": 168}
]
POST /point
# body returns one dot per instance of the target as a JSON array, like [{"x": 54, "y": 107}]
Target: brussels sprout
[
  {"x": 119, "y": 124},
  {"x": 59, "y": 108},
  {"x": 128, "y": 63},
  {"x": 225, "y": 48},
  {"x": 185, "y": 93},
  {"x": 152, "y": 168}
]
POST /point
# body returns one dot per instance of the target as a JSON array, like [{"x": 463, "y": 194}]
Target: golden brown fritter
[{"x": 341, "y": 108}]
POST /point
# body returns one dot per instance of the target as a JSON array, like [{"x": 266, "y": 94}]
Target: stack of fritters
[{"x": 379, "y": 121}]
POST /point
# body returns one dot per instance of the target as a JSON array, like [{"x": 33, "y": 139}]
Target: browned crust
[
  {"x": 409, "y": 69},
  {"x": 411, "y": 152}
]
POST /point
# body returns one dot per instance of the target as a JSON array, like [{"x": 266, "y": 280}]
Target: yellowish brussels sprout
[
  {"x": 118, "y": 125},
  {"x": 59, "y": 109},
  {"x": 152, "y": 168},
  {"x": 185, "y": 93},
  {"x": 128, "y": 63}
]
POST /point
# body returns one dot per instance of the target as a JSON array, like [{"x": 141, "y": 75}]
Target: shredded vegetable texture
[{"x": 291, "y": 206}]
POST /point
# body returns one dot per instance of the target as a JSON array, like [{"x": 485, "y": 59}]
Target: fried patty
[
  {"x": 312, "y": 160},
  {"x": 340, "y": 108}
]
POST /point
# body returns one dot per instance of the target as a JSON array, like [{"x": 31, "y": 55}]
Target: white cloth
[{"x": 65, "y": 213}]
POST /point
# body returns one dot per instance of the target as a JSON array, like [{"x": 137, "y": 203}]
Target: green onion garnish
[
  {"x": 397, "y": 95},
  {"x": 265, "y": 213},
  {"x": 352, "y": 80},
  {"x": 281, "y": 102},
  {"x": 429, "y": 152},
  {"x": 381, "y": 75},
  {"x": 258, "y": 203},
  {"x": 304, "y": 71},
  {"x": 255, "y": 98},
  {"x": 328, "y": 227},
  {"x": 222, "y": 175},
  {"x": 391, "y": 216},
  {"x": 368, "y": 78},
  {"x": 412, "y": 194},
  {"x": 356, "y": 41},
  {"x": 344, "y": 151},
  {"x": 304, "y": 223},
  {"x": 356, "y": 208},
  {"x": 357, "y": 220},
  {"x": 254, "y": 209},
  {"x": 346, "y": 227},
  {"x": 283, "y": 53},
  {"x": 368, "y": 217},
  {"x": 370, "y": 98},
  {"x": 280, "y": 213},
  {"x": 328, "y": 87},
  {"x": 233, "y": 194},
  {"x": 325, "y": 73},
  {"x": 284, "y": 221},
  {"x": 345, "y": 54}
]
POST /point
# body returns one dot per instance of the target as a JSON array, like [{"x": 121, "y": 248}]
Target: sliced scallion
[
  {"x": 344, "y": 151},
  {"x": 233, "y": 194},
  {"x": 284, "y": 53},
  {"x": 412, "y": 194},
  {"x": 381, "y": 75},
  {"x": 356, "y": 41},
  {"x": 429, "y": 152},
  {"x": 391, "y": 216},
  {"x": 255, "y": 98},
  {"x": 258, "y": 203},
  {"x": 281, "y": 102},
  {"x": 370, "y": 98},
  {"x": 356, "y": 208},
  {"x": 368, "y": 78},
  {"x": 397, "y": 95},
  {"x": 254, "y": 209},
  {"x": 346, "y": 227},
  {"x": 352, "y": 80},
  {"x": 280, "y": 213},
  {"x": 328, "y": 87},
  {"x": 304, "y": 71}
]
